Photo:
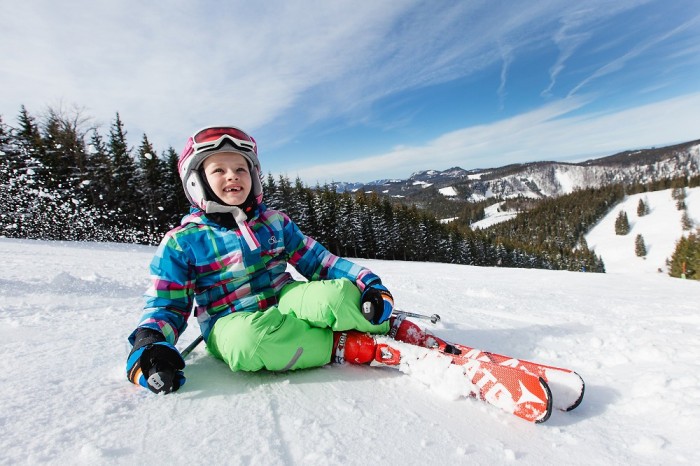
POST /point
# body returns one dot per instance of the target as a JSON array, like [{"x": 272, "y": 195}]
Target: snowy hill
[
  {"x": 67, "y": 308},
  {"x": 493, "y": 216},
  {"x": 661, "y": 229}
]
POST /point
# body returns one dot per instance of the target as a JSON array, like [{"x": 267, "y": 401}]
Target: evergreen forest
[{"x": 63, "y": 179}]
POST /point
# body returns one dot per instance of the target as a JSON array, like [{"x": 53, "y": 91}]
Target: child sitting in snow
[{"x": 228, "y": 261}]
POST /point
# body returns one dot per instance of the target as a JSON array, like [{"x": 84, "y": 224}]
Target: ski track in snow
[{"x": 67, "y": 308}]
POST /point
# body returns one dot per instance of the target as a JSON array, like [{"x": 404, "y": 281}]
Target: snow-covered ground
[
  {"x": 448, "y": 192},
  {"x": 67, "y": 308},
  {"x": 493, "y": 216},
  {"x": 660, "y": 228}
]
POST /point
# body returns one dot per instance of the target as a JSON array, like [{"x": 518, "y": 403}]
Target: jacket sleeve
[
  {"x": 315, "y": 262},
  {"x": 170, "y": 297}
]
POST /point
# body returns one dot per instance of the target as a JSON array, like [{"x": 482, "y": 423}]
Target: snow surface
[
  {"x": 448, "y": 192},
  {"x": 660, "y": 229},
  {"x": 67, "y": 308},
  {"x": 565, "y": 180},
  {"x": 493, "y": 216}
]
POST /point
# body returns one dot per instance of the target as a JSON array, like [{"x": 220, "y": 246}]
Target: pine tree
[
  {"x": 64, "y": 154},
  {"x": 174, "y": 199},
  {"x": 678, "y": 193},
  {"x": 26, "y": 187},
  {"x": 642, "y": 208},
  {"x": 28, "y": 138},
  {"x": 685, "y": 261},
  {"x": 347, "y": 229},
  {"x": 622, "y": 224},
  {"x": 686, "y": 222},
  {"x": 123, "y": 170},
  {"x": 640, "y": 247},
  {"x": 98, "y": 175},
  {"x": 150, "y": 174},
  {"x": 272, "y": 195},
  {"x": 8, "y": 174}
]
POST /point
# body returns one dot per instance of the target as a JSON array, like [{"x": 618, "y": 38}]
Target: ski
[
  {"x": 567, "y": 386},
  {"x": 517, "y": 392}
]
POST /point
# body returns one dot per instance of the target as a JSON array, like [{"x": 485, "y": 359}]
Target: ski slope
[
  {"x": 67, "y": 308},
  {"x": 660, "y": 228}
]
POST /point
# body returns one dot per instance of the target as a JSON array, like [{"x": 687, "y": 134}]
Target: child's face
[{"x": 229, "y": 177}]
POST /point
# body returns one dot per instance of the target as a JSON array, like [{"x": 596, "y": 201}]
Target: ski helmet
[{"x": 207, "y": 142}]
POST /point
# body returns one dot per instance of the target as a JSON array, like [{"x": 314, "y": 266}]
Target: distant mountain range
[{"x": 543, "y": 179}]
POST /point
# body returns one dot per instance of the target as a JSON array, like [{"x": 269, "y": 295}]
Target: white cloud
[
  {"x": 277, "y": 67},
  {"x": 619, "y": 62},
  {"x": 552, "y": 132},
  {"x": 169, "y": 67}
]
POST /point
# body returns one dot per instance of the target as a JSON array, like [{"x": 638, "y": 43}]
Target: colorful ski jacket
[{"x": 205, "y": 266}]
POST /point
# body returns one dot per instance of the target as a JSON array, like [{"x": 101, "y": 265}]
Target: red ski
[
  {"x": 512, "y": 390},
  {"x": 567, "y": 386}
]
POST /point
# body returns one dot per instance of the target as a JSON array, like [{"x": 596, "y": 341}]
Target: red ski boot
[{"x": 361, "y": 348}]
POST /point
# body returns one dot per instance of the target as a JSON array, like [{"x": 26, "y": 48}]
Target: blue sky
[{"x": 365, "y": 90}]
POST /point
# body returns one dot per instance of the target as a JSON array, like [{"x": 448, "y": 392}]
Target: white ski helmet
[{"x": 209, "y": 141}]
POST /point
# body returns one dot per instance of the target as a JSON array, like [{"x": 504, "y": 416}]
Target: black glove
[
  {"x": 154, "y": 363},
  {"x": 377, "y": 303}
]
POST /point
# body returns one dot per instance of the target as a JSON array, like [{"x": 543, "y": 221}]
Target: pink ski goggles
[{"x": 214, "y": 137}]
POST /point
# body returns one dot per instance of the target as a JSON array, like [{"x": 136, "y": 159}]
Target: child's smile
[{"x": 228, "y": 176}]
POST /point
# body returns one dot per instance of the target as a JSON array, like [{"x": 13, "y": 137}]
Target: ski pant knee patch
[{"x": 331, "y": 304}]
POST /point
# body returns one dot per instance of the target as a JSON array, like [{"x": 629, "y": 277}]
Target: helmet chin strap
[{"x": 240, "y": 217}]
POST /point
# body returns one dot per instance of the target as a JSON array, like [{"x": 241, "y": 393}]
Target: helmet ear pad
[{"x": 195, "y": 188}]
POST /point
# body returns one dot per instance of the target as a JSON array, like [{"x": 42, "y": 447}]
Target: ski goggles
[{"x": 214, "y": 137}]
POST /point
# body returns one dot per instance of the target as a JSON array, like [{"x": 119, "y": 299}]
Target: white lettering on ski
[
  {"x": 472, "y": 369},
  {"x": 496, "y": 393},
  {"x": 526, "y": 395}
]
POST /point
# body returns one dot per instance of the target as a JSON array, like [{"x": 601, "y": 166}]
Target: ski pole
[
  {"x": 191, "y": 346},
  {"x": 433, "y": 318}
]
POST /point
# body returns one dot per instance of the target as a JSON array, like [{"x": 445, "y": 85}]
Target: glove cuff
[{"x": 145, "y": 336}]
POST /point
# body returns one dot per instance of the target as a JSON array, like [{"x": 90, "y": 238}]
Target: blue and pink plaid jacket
[{"x": 205, "y": 266}]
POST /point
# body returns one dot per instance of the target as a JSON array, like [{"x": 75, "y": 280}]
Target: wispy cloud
[
  {"x": 567, "y": 39},
  {"x": 278, "y": 68},
  {"x": 170, "y": 67},
  {"x": 553, "y": 132},
  {"x": 619, "y": 62},
  {"x": 507, "y": 56}
]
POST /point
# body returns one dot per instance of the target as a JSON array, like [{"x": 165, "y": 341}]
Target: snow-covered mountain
[{"x": 549, "y": 179}]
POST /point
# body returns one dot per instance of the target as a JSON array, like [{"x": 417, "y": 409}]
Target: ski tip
[
  {"x": 580, "y": 397},
  {"x": 548, "y": 411}
]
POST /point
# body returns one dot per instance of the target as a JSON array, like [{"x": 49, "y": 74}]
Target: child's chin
[{"x": 233, "y": 200}]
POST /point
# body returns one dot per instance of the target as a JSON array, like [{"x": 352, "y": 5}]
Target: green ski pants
[{"x": 295, "y": 334}]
